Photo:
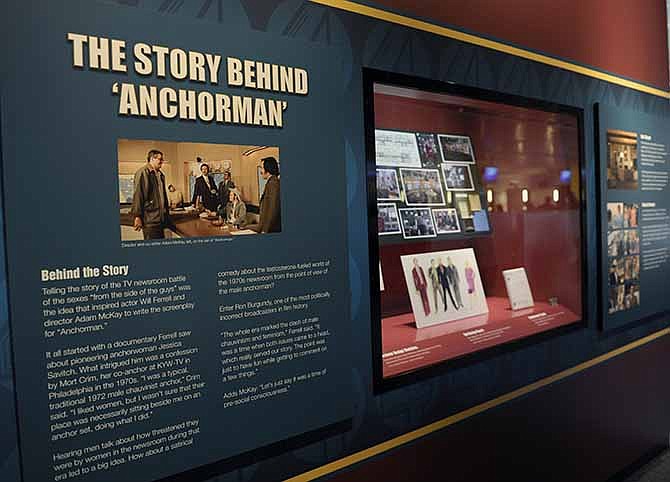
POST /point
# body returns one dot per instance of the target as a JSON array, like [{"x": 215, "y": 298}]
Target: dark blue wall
[{"x": 371, "y": 43}]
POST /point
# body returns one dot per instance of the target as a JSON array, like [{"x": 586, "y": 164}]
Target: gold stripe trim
[
  {"x": 387, "y": 16},
  {"x": 460, "y": 416}
]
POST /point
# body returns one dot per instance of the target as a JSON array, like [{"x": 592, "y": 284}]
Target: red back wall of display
[
  {"x": 544, "y": 241},
  {"x": 623, "y": 37}
]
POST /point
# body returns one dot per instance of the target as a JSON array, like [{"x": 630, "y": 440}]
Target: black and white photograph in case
[
  {"x": 387, "y": 219},
  {"x": 428, "y": 150},
  {"x": 444, "y": 286},
  {"x": 456, "y": 148},
  {"x": 422, "y": 187},
  {"x": 388, "y": 188},
  {"x": 446, "y": 221},
  {"x": 457, "y": 177},
  {"x": 417, "y": 223}
]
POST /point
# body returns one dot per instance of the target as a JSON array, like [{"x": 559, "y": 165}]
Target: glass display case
[{"x": 475, "y": 222}]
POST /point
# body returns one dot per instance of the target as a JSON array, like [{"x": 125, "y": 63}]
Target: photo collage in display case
[{"x": 429, "y": 184}]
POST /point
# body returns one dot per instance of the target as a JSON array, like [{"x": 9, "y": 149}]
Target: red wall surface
[
  {"x": 530, "y": 148},
  {"x": 623, "y": 37}
]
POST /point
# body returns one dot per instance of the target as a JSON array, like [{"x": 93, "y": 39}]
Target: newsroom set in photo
[{"x": 170, "y": 189}]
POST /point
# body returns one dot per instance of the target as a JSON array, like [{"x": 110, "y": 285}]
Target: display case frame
[{"x": 374, "y": 76}]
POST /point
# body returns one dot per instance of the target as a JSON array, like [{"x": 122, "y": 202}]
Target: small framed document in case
[{"x": 518, "y": 289}]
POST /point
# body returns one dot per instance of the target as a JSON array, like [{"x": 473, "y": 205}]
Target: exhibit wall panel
[{"x": 364, "y": 42}]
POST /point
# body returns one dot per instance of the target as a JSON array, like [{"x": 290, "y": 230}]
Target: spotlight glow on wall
[{"x": 524, "y": 196}]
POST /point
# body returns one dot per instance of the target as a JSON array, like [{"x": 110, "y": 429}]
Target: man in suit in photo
[
  {"x": 150, "y": 208},
  {"x": 270, "y": 205},
  {"x": 224, "y": 189},
  {"x": 205, "y": 189}
]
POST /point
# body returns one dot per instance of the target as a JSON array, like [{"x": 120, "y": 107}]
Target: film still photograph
[
  {"x": 456, "y": 148},
  {"x": 188, "y": 190},
  {"x": 617, "y": 271},
  {"x": 622, "y": 168},
  {"x": 632, "y": 268},
  {"x": 388, "y": 188},
  {"x": 444, "y": 286},
  {"x": 632, "y": 242},
  {"x": 417, "y": 223},
  {"x": 616, "y": 243},
  {"x": 458, "y": 177},
  {"x": 624, "y": 296},
  {"x": 615, "y": 214},
  {"x": 446, "y": 221},
  {"x": 422, "y": 187},
  {"x": 428, "y": 150},
  {"x": 630, "y": 213},
  {"x": 622, "y": 215},
  {"x": 387, "y": 219}
]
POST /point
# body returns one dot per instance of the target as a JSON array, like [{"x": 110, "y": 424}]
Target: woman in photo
[{"x": 236, "y": 210}]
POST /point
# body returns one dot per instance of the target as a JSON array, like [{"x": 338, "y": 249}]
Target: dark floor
[{"x": 658, "y": 470}]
